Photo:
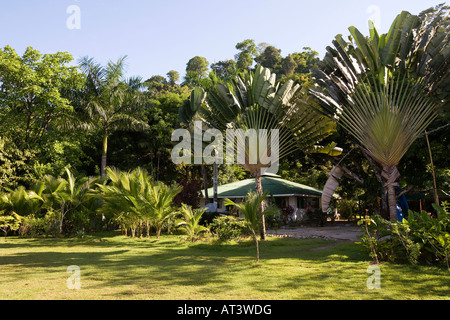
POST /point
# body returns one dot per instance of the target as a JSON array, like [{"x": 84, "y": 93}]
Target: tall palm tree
[
  {"x": 111, "y": 102},
  {"x": 386, "y": 89},
  {"x": 257, "y": 101}
]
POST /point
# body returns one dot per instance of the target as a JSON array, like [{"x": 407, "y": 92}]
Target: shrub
[
  {"x": 420, "y": 238},
  {"x": 347, "y": 208},
  {"x": 228, "y": 228},
  {"x": 286, "y": 213},
  {"x": 9, "y": 222},
  {"x": 32, "y": 226},
  {"x": 316, "y": 217}
]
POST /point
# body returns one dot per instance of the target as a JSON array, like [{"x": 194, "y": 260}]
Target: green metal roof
[{"x": 272, "y": 183}]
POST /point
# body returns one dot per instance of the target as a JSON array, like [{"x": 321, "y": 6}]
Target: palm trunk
[
  {"x": 61, "y": 219},
  {"x": 391, "y": 175},
  {"x": 104, "y": 152},
  {"x": 378, "y": 174},
  {"x": 259, "y": 190},
  {"x": 205, "y": 183},
  {"x": 215, "y": 183},
  {"x": 435, "y": 190},
  {"x": 147, "y": 228},
  {"x": 255, "y": 238},
  {"x": 140, "y": 231}
]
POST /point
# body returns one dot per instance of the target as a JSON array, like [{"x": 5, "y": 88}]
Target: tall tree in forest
[
  {"x": 196, "y": 69},
  {"x": 34, "y": 109},
  {"x": 246, "y": 56},
  {"x": 111, "y": 102},
  {"x": 174, "y": 77},
  {"x": 270, "y": 58}
]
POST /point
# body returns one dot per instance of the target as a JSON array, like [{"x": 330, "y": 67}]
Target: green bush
[
  {"x": 421, "y": 238},
  {"x": 347, "y": 209},
  {"x": 228, "y": 228},
  {"x": 32, "y": 226}
]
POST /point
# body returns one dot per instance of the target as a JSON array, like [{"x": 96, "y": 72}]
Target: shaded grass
[{"x": 115, "y": 267}]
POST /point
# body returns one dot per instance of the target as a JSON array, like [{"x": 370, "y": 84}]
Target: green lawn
[{"x": 116, "y": 267}]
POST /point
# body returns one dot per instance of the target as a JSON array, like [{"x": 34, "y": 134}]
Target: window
[
  {"x": 282, "y": 202},
  {"x": 300, "y": 202}
]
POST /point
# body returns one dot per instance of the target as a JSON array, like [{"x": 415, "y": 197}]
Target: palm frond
[{"x": 378, "y": 89}]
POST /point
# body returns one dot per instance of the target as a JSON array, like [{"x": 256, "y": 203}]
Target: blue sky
[{"x": 162, "y": 35}]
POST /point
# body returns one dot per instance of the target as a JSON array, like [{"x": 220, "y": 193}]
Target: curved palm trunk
[
  {"x": 391, "y": 175},
  {"x": 259, "y": 190}
]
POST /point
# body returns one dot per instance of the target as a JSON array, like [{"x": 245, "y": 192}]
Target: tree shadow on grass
[{"x": 212, "y": 270}]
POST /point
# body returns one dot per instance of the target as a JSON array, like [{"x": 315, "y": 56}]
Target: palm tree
[
  {"x": 190, "y": 221},
  {"x": 134, "y": 199},
  {"x": 111, "y": 102},
  {"x": 15, "y": 205},
  {"x": 386, "y": 89},
  {"x": 125, "y": 196},
  {"x": 250, "y": 210},
  {"x": 65, "y": 195},
  {"x": 257, "y": 101},
  {"x": 160, "y": 200},
  {"x": 21, "y": 201}
]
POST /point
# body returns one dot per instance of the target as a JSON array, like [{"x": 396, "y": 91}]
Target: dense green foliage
[
  {"x": 61, "y": 125},
  {"x": 420, "y": 238}
]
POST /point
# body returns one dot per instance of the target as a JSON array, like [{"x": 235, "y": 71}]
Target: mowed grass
[{"x": 116, "y": 267}]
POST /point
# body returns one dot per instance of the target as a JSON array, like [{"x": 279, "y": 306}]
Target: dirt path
[{"x": 342, "y": 233}]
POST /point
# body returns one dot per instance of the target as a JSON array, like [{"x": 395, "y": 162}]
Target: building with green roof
[{"x": 286, "y": 193}]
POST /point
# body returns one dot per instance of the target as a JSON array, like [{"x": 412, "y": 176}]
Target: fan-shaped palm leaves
[
  {"x": 385, "y": 90},
  {"x": 279, "y": 120}
]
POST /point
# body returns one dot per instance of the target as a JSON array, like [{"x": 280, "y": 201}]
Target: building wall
[{"x": 300, "y": 205}]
